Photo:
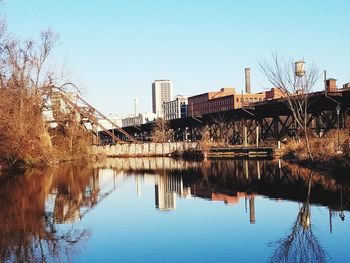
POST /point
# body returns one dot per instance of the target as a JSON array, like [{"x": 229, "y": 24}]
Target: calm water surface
[{"x": 163, "y": 210}]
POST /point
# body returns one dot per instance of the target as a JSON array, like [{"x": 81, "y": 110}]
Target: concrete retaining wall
[{"x": 142, "y": 149}]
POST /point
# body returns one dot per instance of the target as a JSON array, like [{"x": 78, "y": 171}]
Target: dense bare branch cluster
[
  {"x": 25, "y": 85},
  {"x": 161, "y": 131},
  {"x": 296, "y": 89}
]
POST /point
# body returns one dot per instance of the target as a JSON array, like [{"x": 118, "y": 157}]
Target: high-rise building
[
  {"x": 166, "y": 188},
  {"x": 162, "y": 91}
]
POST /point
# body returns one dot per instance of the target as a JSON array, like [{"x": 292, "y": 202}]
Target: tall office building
[
  {"x": 166, "y": 188},
  {"x": 162, "y": 91}
]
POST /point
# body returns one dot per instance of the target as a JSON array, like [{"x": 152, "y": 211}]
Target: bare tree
[
  {"x": 282, "y": 74},
  {"x": 161, "y": 131},
  {"x": 26, "y": 82},
  {"x": 23, "y": 84}
]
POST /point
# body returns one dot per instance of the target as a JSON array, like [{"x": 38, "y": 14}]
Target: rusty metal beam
[
  {"x": 127, "y": 135},
  {"x": 90, "y": 117}
]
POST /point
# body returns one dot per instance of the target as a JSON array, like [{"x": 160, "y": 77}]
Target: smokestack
[
  {"x": 251, "y": 210},
  {"x": 247, "y": 80}
]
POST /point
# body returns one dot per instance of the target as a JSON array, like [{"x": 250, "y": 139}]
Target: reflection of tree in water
[
  {"x": 300, "y": 245},
  {"x": 27, "y": 233}
]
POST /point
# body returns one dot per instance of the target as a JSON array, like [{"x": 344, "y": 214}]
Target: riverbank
[
  {"x": 11, "y": 165},
  {"x": 156, "y": 190},
  {"x": 337, "y": 167},
  {"x": 327, "y": 158}
]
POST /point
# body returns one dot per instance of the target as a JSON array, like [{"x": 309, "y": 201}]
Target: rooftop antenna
[{"x": 135, "y": 106}]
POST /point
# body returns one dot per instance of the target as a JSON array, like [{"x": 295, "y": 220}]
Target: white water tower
[{"x": 299, "y": 68}]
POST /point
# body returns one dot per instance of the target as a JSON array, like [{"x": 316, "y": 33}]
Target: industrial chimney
[{"x": 247, "y": 80}]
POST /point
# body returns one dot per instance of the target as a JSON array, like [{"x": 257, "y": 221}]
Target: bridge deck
[{"x": 273, "y": 117}]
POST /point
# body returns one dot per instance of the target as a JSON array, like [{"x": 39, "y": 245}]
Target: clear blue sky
[{"x": 115, "y": 49}]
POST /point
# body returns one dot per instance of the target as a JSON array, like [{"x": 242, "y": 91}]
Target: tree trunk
[{"x": 308, "y": 145}]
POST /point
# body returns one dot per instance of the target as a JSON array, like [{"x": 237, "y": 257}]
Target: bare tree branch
[{"x": 281, "y": 74}]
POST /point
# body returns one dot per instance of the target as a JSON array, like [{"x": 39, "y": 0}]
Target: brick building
[
  {"x": 227, "y": 99},
  {"x": 274, "y": 93},
  {"x": 331, "y": 85},
  {"x": 200, "y": 104}
]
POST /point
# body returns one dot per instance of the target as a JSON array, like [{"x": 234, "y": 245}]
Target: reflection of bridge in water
[
  {"x": 37, "y": 204},
  {"x": 168, "y": 187},
  {"x": 71, "y": 192},
  {"x": 230, "y": 180},
  {"x": 275, "y": 179}
]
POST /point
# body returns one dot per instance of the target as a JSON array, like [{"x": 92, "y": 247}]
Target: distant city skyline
[{"x": 114, "y": 50}]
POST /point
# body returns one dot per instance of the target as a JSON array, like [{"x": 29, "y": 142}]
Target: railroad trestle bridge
[{"x": 262, "y": 121}]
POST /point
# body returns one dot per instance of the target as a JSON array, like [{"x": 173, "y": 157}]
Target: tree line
[{"x": 26, "y": 82}]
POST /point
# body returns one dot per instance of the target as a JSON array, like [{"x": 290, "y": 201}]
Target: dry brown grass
[
  {"x": 23, "y": 134},
  {"x": 70, "y": 141},
  {"x": 322, "y": 148},
  {"x": 205, "y": 144}
]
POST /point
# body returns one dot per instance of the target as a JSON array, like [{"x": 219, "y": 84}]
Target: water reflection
[
  {"x": 166, "y": 188},
  {"x": 33, "y": 208},
  {"x": 43, "y": 209},
  {"x": 230, "y": 180},
  {"x": 300, "y": 245}
]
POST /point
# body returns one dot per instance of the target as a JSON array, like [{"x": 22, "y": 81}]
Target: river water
[{"x": 166, "y": 210}]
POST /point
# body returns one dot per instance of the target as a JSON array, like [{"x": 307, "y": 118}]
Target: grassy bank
[{"x": 327, "y": 156}]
